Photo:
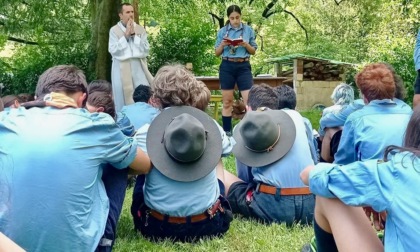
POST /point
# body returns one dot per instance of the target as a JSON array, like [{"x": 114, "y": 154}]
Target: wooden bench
[{"x": 216, "y": 99}]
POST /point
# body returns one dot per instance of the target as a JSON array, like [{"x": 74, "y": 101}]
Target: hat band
[{"x": 270, "y": 148}]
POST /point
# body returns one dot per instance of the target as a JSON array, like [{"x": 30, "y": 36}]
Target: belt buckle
[
  {"x": 236, "y": 59},
  {"x": 210, "y": 212}
]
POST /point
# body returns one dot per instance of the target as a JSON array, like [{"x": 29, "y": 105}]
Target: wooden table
[{"x": 213, "y": 82}]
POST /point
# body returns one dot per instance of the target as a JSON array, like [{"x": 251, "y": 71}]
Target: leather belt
[
  {"x": 236, "y": 59},
  {"x": 283, "y": 191},
  {"x": 208, "y": 214}
]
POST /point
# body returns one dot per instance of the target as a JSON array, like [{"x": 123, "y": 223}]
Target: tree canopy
[{"x": 45, "y": 33}]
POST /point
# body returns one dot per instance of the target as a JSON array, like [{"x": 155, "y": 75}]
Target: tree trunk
[
  {"x": 136, "y": 11},
  {"x": 104, "y": 16}
]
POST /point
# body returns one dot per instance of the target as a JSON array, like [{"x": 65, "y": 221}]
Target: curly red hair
[{"x": 376, "y": 82}]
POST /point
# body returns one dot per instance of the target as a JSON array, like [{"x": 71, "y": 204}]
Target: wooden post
[
  {"x": 278, "y": 71},
  {"x": 295, "y": 72}
]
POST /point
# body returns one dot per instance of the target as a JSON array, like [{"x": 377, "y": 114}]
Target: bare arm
[
  {"x": 251, "y": 50},
  {"x": 8, "y": 245},
  {"x": 141, "y": 163},
  {"x": 304, "y": 175},
  {"x": 219, "y": 49}
]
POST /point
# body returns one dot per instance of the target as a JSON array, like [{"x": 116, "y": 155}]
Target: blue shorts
[
  {"x": 271, "y": 208},
  {"x": 231, "y": 73}
]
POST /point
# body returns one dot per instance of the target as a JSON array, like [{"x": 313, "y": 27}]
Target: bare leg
[
  {"x": 326, "y": 144},
  {"x": 351, "y": 229},
  {"x": 220, "y": 171},
  {"x": 416, "y": 100},
  {"x": 8, "y": 245},
  {"x": 229, "y": 180},
  {"x": 244, "y": 94},
  {"x": 227, "y": 97}
]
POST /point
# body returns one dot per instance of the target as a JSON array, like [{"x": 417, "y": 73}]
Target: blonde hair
[{"x": 174, "y": 85}]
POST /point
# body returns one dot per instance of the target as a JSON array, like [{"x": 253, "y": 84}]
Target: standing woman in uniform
[{"x": 235, "y": 67}]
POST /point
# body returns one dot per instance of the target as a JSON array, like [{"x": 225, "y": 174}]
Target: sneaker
[
  {"x": 310, "y": 247},
  {"x": 306, "y": 248},
  {"x": 228, "y": 133}
]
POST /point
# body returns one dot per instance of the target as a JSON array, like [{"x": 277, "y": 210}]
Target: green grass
[
  {"x": 243, "y": 235},
  {"x": 313, "y": 116}
]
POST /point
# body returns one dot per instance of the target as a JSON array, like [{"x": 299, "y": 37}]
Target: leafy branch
[{"x": 299, "y": 23}]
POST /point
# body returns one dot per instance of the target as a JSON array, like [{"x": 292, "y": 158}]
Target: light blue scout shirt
[
  {"x": 57, "y": 200},
  {"x": 243, "y": 30},
  {"x": 392, "y": 186},
  {"x": 140, "y": 113},
  {"x": 285, "y": 173},
  {"x": 369, "y": 130},
  {"x": 313, "y": 144},
  {"x": 176, "y": 198},
  {"x": 337, "y": 119},
  {"x": 417, "y": 52}
]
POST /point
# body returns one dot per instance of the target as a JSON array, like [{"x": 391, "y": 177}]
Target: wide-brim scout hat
[
  {"x": 263, "y": 137},
  {"x": 184, "y": 143}
]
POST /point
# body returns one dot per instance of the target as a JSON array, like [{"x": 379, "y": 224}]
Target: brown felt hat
[
  {"x": 263, "y": 137},
  {"x": 184, "y": 143}
]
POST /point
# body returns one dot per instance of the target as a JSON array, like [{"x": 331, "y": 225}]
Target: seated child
[
  {"x": 275, "y": 145},
  {"x": 115, "y": 180},
  {"x": 390, "y": 185},
  {"x": 181, "y": 200}
]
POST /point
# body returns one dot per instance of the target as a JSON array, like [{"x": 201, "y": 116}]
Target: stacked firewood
[{"x": 317, "y": 70}]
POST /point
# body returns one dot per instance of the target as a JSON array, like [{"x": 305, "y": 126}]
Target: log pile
[{"x": 317, "y": 70}]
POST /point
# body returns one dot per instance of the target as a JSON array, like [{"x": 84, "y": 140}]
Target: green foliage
[
  {"x": 181, "y": 41},
  {"x": 57, "y": 33},
  {"x": 360, "y": 32},
  {"x": 314, "y": 116},
  {"x": 32, "y": 62}
]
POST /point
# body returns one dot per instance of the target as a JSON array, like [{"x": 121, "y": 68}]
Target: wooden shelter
[{"x": 312, "y": 78}]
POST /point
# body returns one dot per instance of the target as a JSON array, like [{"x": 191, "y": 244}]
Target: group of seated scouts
[{"x": 65, "y": 158}]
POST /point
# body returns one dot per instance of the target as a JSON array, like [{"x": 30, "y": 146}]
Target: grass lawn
[{"x": 243, "y": 235}]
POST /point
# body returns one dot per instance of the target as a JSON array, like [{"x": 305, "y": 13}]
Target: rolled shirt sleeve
[
  {"x": 417, "y": 52},
  {"x": 368, "y": 183}
]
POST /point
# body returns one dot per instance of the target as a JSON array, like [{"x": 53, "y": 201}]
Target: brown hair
[
  {"x": 262, "y": 95},
  {"x": 9, "y": 100},
  {"x": 286, "y": 97},
  {"x": 102, "y": 99},
  {"x": 62, "y": 78},
  {"x": 100, "y": 86},
  {"x": 400, "y": 91},
  {"x": 376, "y": 82},
  {"x": 120, "y": 8},
  {"x": 172, "y": 84},
  {"x": 201, "y": 96},
  {"x": 25, "y": 97}
]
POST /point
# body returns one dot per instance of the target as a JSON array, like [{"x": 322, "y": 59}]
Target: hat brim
[
  {"x": 285, "y": 143},
  {"x": 176, "y": 170}
]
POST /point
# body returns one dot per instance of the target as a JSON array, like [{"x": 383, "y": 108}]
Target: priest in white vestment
[{"x": 129, "y": 48}]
